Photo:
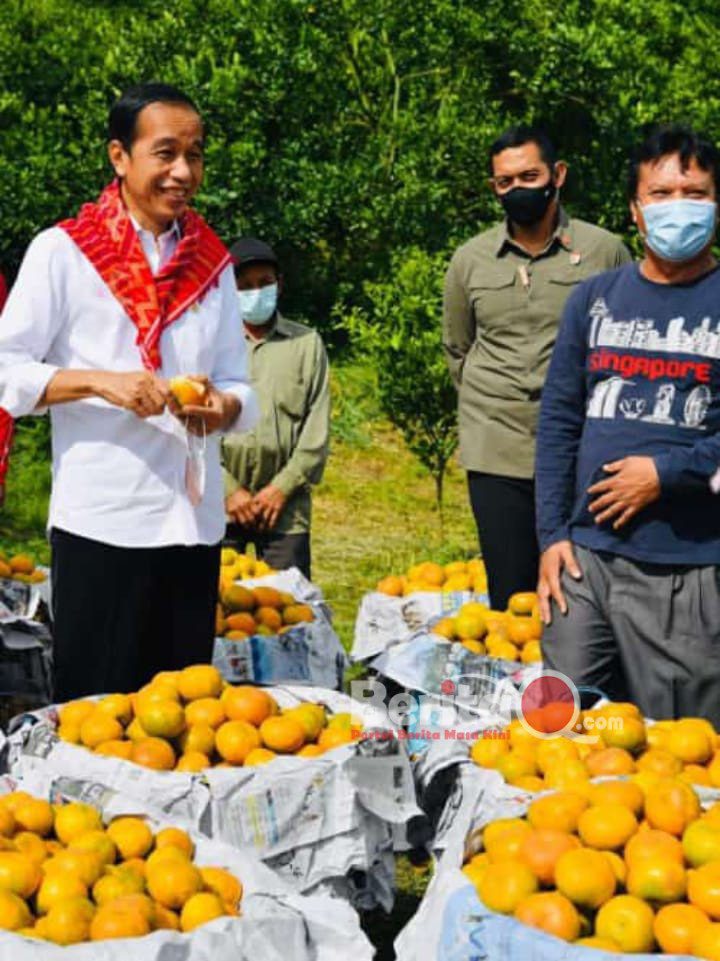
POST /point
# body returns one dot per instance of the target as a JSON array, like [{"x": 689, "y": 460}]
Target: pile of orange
[
  {"x": 616, "y": 742},
  {"x": 192, "y": 719},
  {"x": 66, "y": 878},
  {"x": 617, "y": 866},
  {"x": 513, "y": 634},
  {"x": 429, "y": 576},
  {"x": 246, "y": 611},
  {"x": 20, "y": 567}
]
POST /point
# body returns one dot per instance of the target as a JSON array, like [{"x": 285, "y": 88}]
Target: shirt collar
[
  {"x": 173, "y": 231},
  {"x": 279, "y": 328},
  {"x": 562, "y": 234}
]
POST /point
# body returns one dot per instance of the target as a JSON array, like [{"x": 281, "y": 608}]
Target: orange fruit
[
  {"x": 521, "y": 630},
  {"x": 118, "y": 706},
  {"x": 165, "y": 919},
  {"x": 659, "y": 761},
  {"x": 653, "y": 844},
  {"x": 111, "y": 922},
  {"x": 197, "y": 737},
  {"x": 515, "y": 764},
  {"x": 199, "y": 680},
  {"x": 175, "y": 838},
  {"x": 332, "y": 737},
  {"x": 690, "y": 741},
  {"x": 701, "y": 842},
  {"x": 34, "y": 815},
  {"x": 602, "y": 944},
  {"x": 671, "y": 806},
  {"x": 199, "y": 909},
  {"x": 120, "y": 882},
  {"x": 97, "y": 841},
  {"x": 7, "y": 822},
  {"x": 68, "y": 922},
  {"x": 87, "y": 865},
  {"x": 567, "y": 776},
  {"x": 57, "y": 887},
  {"x": 470, "y": 624},
  {"x": 98, "y": 727},
  {"x": 487, "y": 751},
  {"x": 14, "y": 913},
  {"x": 72, "y": 820},
  {"x": 19, "y": 874},
  {"x": 311, "y": 716},
  {"x": 617, "y": 792},
  {"x": 522, "y": 602},
  {"x": 259, "y": 755},
  {"x": 153, "y": 752},
  {"x": 172, "y": 881},
  {"x": 695, "y": 774},
  {"x": 552, "y": 751},
  {"x": 74, "y": 712},
  {"x": 656, "y": 879},
  {"x": 391, "y": 585},
  {"x": 310, "y": 750},
  {"x": 135, "y": 731},
  {"x": 206, "y": 711},
  {"x": 542, "y": 848},
  {"x": 31, "y": 845},
  {"x": 503, "y": 839},
  {"x": 282, "y": 734},
  {"x": 193, "y": 762},
  {"x": 154, "y": 691},
  {"x": 241, "y": 621},
  {"x": 504, "y": 886},
  {"x": 237, "y": 598},
  {"x": 561, "y": 811},
  {"x": 551, "y": 912},
  {"x": 703, "y": 889},
  {"x": 270, "y": 617},
  {"x": 706, "y": 942},
  {"x": 116, "y": 748},
  {"x": 132, "y": 836},
  {"x": 187, "y": 391},
  {"x": 607, "y": 826},
  {"x": 268, "y": 597},
  {"x": 585, "y": 877},
  {"x": 610, "y": 760},
  {"x": 246, "y": 703},
  {"x": 235, "y": 739},
  {"x": 224, "y": 884},
  {"x": 628, "y": 922},
  {"x": 162, "y": 718},
  {"x": 676, "y": 926}
]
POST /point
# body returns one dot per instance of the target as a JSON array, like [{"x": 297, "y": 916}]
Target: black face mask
[{"x": 528, "y": 205}]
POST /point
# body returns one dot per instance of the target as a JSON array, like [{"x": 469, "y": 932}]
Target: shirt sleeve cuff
[
  {"x": 229, "y": 483},
  {"x": 22, "y": 387},
  {"x": 559, "y": 534},
  {"x": 249, "y": 409},
  {"x": 667, "y": 474},
  {"x": 288, "y": 480}
]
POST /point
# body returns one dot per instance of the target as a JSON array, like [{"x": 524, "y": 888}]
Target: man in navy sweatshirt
[{"x": 628, "y": 439}]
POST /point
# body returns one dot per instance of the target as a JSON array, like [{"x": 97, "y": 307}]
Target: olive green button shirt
[
  {"x": 501, "y": 311},
  {"x": 289, "y": 445}
]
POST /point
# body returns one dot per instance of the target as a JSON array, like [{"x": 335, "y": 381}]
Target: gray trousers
[{"x": 647, "y": 633}]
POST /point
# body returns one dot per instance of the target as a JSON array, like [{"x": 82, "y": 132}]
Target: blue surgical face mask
[
  {"x": 258, "y": 306},
  {"x": 678, "y": 230}
]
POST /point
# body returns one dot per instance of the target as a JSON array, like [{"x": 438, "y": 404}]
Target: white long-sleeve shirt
[{"x": 118, "y": 478}]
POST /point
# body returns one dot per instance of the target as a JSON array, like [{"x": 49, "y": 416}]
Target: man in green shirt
[
  {"x": 269, "y": 470},
  {"x": 504, "y": 293}
]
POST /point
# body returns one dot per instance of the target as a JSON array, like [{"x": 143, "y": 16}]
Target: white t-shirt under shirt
[{"x": 118, "y": 478}]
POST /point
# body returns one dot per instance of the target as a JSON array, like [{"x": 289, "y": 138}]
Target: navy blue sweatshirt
[{"x": 635, "y": 370}]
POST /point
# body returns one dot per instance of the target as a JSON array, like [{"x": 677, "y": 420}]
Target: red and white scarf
[{"x": 105, "y": 233}]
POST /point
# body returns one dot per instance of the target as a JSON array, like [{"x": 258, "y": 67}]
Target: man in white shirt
[{"x": 106, "y": 308}]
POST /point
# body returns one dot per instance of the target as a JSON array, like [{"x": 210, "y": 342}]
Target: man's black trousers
[
  {"x": 121, "y": 614},
  {"x": 504, "y": 509}
]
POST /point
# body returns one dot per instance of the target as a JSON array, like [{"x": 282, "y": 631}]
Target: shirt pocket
[{"x": 493, "y": 296}]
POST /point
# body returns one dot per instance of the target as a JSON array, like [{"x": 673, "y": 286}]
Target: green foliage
[
  {"x": 399, "y": 334},
  {"x": 344, "y": 130}
]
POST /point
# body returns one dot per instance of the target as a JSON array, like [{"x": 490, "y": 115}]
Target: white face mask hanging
[{"x": 195, "y": 466}]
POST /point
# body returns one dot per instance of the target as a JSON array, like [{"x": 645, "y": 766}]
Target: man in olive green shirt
[
  {"x": 269, "y": 470},
  {"x": 504, "y": 293}
]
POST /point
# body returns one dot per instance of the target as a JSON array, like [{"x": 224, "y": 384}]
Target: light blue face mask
[
  {"x": 258, "y": 306},
  {"x": 677, "y": 230}
]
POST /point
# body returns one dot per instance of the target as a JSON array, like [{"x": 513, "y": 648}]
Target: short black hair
[
  {"x": 122, "y": 120},
  {"x": 518, "y": 136},
  {"x": 662, "y": 140}
]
